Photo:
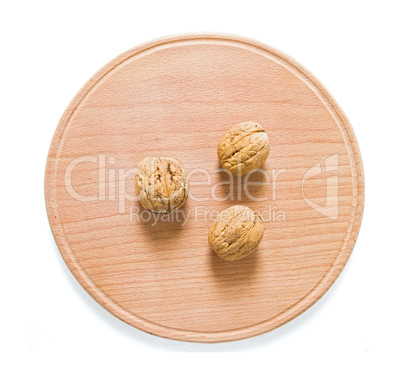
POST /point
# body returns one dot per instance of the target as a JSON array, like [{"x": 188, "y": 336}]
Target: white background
[{"x": 49, "y": 325}]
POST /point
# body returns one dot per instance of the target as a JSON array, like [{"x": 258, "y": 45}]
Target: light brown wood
[{"x": 177, "y": 97}]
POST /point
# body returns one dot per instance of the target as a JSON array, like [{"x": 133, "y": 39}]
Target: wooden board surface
[{"x": 177, "y": 97}]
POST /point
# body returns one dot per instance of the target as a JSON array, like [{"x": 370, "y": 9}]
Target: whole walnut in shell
[
  {"x": 235, "y": 233},
  {"x": 161, "y": 184},
  {"x": 243, "y": 148}
]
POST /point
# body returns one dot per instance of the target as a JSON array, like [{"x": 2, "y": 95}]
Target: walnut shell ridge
[
  {"x": 243, "y": 148},
  {"x": 161, "y": 184},
  {"x": 235, "y": 233}
]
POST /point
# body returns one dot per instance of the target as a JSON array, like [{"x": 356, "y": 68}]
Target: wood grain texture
[{"x": 177, "y": 96}]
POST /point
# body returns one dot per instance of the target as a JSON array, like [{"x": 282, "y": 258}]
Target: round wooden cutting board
[{"x": 177, "y": 97}]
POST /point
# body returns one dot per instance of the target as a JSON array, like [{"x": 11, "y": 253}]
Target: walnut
[
  {"x": 243, "y": 148},
  {"x": 161, "y": 184},
  {"x": 235, "y": 233}
]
